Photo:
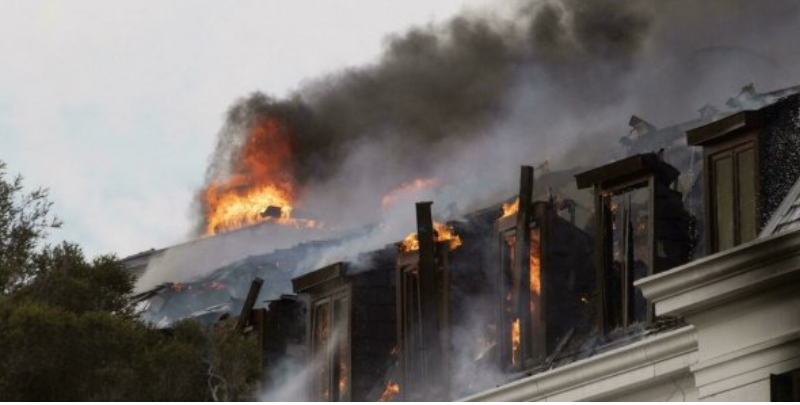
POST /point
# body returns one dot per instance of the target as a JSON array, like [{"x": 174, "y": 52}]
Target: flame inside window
[
  {"x": 443, "y": 233},
  {"x": 510, "y": 209},
  {"x": 391, "y": 390},
  {"x": 515, "y": 340}
]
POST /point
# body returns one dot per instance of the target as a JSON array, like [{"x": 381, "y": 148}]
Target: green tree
[
  {"x": 68, "y": 331},
  {"x": 24, "y": 222},
  {"x": 233, "y": 363}
]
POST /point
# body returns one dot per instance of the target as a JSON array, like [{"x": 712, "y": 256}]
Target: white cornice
[
  {"x": 725, "y": 276},
  {"x": 619, "y": 370}
]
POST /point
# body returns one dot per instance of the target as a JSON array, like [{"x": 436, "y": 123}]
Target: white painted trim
[
  {"x": 724, "y": 276},
  {"x": 624, "y": 369},
  {"x": 748, "y": 365}
]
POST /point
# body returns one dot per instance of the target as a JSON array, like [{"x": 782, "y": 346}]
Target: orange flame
[
  {"x": 515, "y": 339},
  {"x": 535, "y": 263},
  {"x": 342, "y": 378},
  {"x": 391, "y": 390},
  {"x": 443, "y": 233},
  {"x": 510, "y": 209},
  {"x": 261, "y": 180},
  {"x": 407, "y": 189}
]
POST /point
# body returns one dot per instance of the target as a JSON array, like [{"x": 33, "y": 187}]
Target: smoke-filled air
[
  {"x": 450, "y": 109},
  {"x": 447, "y": 113}
]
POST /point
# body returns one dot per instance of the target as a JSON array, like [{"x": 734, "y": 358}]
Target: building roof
[{"x": 787, "y": 217}]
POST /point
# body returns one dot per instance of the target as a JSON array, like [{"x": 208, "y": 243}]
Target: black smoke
[{"x": 516, "y": 78}]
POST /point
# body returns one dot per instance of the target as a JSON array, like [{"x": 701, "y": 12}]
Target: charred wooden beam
[
  {"x": 432, "y": 348},
  {"x": 562, "y": 344},
  {"x": 252, "y": 295},
  {"x": 522, "y": 272}
]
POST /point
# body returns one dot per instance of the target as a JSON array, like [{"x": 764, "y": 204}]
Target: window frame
[
  {"x": 712, "y": 153},
  {"x": 535, "y": 341},
  {"x": 407, "y": 265},
  {"x": 605, "y": 253},
  {"x": 332, "y": 298}
]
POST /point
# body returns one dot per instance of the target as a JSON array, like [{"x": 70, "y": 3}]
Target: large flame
[
  {"x": 443, "y": 233},
  {"x": 391, "y": 390},
  {"x": 260, "y": 186}
]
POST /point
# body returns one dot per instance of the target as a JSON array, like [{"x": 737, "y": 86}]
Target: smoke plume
[
  {"x": 466, "y": 101},
  {"x": 536, "y": 78}
]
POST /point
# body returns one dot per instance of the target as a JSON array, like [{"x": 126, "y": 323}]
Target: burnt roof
[
  {"x": 626, "y": 169},
  {"x": 787, "y": 216},
  {"x": 727, "y": 127},
  {"x": 317, "y": 277},
  {"x": 724, "y": 128}
]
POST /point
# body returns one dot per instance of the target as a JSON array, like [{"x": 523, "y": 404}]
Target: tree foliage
[
  {"x": 24, "y": 222},
  {"x": 68, "y": 331}
]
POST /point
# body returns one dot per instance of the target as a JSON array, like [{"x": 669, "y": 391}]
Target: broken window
[
  {"x": 417, "y": 370},
  {"x": 628, "y": 237},
  {"x": 544, "y": 268},
  {"x": 329, "y": 295},
  {"x": 330, "y": 347},
  {"x": 351, "y": 326},
  {"x": 642, "y": 229},
  {"x": 521, "y": 309}
]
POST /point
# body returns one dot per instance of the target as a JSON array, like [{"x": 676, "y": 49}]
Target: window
[
  {"x": 733, "y": 196},
  {"x": 628, "y": 253},
  {"x": 785, "y": 387},
  {"x": 413, "y": 341},
  {"x": 329, "y": 333},
  {"x": 423, "y": 368},
  {"x": 330, "y": 347},
  {"x": 641, "y": 229},
  {"x": 523, "y": 338}
]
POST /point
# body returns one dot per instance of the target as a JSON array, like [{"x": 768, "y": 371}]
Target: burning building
[
  {"x": 442, "y": 284},
  {"x": 350, "y": 327},
  {"x": 672, "y": 322},
  {"x": 646, "y": 287}
]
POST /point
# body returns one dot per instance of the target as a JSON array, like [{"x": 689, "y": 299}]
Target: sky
[{"x": 115, "y": 106}]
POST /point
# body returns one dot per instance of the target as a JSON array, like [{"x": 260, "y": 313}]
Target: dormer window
[
  {"x": 346, "y": 318},
  {"x": 417, "y": 369},
  {"x": 329, "y": 297},
  {"x": 641, "y": 230},
  {"x": 523, "y": 328},
  {"x": 743, "y": 186},
  {"x": 545, "y": 275}
]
